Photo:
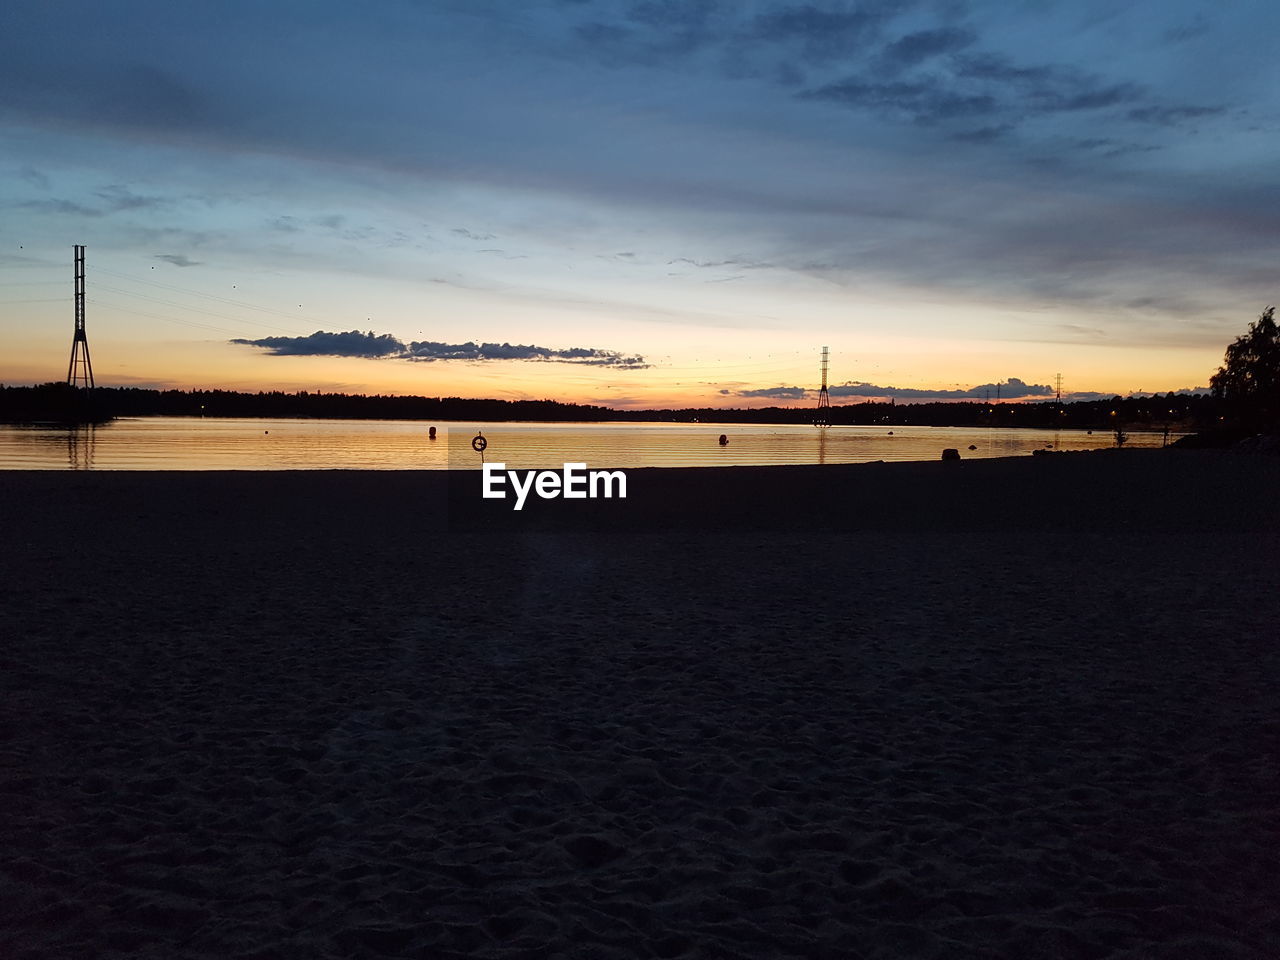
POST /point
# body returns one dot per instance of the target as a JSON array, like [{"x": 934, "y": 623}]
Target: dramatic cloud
[
  {"x": 322, "y": 344},
  {"x": 430, "y": 350},
  {"x": 371, "y": 345},
  {"x": 792, "y": 166}
]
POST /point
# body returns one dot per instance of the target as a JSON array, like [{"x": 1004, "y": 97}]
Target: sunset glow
[{"x": 668, "y": 206}]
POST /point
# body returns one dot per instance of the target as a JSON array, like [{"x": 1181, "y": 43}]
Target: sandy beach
[{"x": 1008, "y": 708}]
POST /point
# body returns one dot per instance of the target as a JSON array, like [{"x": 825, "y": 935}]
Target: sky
[{"x": 639, "y": 203}]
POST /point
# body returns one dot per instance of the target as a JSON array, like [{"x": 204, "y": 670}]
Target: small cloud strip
[
  {"x": 369, "y": 345},
  {"x": 1011, "y": 389}
]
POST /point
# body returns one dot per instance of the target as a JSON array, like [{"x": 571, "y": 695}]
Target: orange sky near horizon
[{"x": 176, "y": 333}]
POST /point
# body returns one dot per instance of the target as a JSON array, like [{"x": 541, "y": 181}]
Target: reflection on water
[
  {"x": 80, "y": 441},
  {"x": 48, "y": 447},
  {"x": 179, "y": 443}
]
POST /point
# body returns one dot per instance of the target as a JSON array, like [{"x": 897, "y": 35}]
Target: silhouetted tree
[{"x": 1248, "y": 382}]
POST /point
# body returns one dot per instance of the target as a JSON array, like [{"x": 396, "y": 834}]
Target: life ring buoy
[{"x": 478, "y": 443}]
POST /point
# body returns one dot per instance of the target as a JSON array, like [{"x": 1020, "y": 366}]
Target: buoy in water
[
  {"x": 432, "y": 433},
  {"x": 724, "y": 440}
]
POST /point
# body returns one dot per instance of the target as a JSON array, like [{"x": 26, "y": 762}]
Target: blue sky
[{"x": 948, "y": 194}]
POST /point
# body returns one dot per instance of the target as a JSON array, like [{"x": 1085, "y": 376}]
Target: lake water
[{"x": 181, "y": 443}]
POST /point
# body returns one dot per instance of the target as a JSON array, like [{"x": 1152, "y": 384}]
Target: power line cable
[
  {"x": 96, "y": 301},
  {"x": 197, "y": 293}
]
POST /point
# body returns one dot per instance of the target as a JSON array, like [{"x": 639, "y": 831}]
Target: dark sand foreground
[{"x": 1023, "y": 709}]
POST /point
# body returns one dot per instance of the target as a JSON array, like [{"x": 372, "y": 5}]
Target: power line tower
[
  {"x": 823, "y": 417},
  {"x": 80, "y": 371},
  {"x": 1057, "y": 385}
]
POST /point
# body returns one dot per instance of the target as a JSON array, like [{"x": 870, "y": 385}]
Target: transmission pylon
[
  {"x": 80, "y": 370},
  {"x": 823, "y": 416}
]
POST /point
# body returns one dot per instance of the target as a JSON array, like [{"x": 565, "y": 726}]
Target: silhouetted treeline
[{"x": 60, "y": 402}]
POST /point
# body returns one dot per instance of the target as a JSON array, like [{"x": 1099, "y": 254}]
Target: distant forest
[{"x": 54, "y": 402}]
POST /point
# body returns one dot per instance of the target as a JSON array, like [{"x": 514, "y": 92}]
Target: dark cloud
[
  {"x": 923, "y": 44},
  {"x": 69, "y": 207},
  {"x": 117, "y": 198},
  {"x": 370, "y": 345},
  {"x": 777, "y": 44},
  {"x": 990, "y": 66},
  {"x": 977, "y": 85},
  {"x": 322, "y": 344},
  {"x": 651, "y": 32},
  {"x": 1011, "y": 389},
  {"x": 1045, "y": 88},
  {"x": 822, "y": 33},
  {"x": 108, "y": 200},
  {"x": 1110, "y": 147},
  {"x": 736, "y": 262},
  {"x": 1172, "y": 116},
  {"x": 1187, "y": 31},
  {"x": 773, "y": 393},
  {"x": 431, "y": 350},
  {"x": 687, "y": 16},
  {"x": 924, "y": 101},
  {"x": 146, "y": 95},
  {"x": 177, "y": 259},
  {"x": 603, "y": 34},
  {"x": 97, "y": 92},
  {"x": 34, "y": 177},
  {"x": 984, "y": 134}
]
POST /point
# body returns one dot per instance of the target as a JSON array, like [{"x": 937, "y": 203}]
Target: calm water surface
[{"x": 181, "y": 443}]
